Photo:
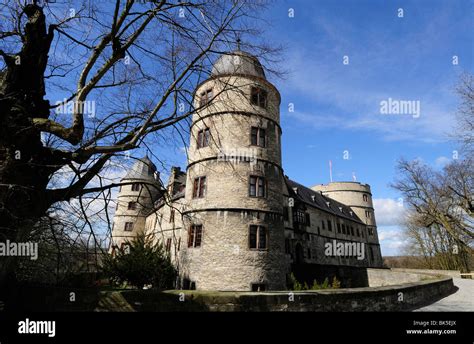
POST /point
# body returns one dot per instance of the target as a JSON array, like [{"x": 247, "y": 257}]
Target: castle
[{"x": 233, "y": 220}]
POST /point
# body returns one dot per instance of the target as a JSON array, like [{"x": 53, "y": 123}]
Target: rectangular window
[
  {"x": 329, "y": 225},
  {"x": 203, "y": 138},
  {"x": 199, "y": 187},
  {"x": 135, "y": 187},
  {"x": 287, "y": 246},
  {"x": 299, "y": 217},
  {"x": 168, "y": 245},
  {"x": 367, "y": 214},
  {"x": 258, "y": 137},
  {"x": 323, "y": 225},
  {"x": 339, "y": 228},
  {"x": 195, "y": 236},
  {"x": 352, "y": 231},
  {"x": 172, "y": 215},
  {"x": 358, "y": 231},
  {"x": 286, "y": 213},
  {"x": 258, "y": 237},
  {"x": 343, "y": 229},
  {"x": 259, "y": 97},
  {"x": 257, "y": 186},
  {"x": 132, "y": 206},
  {"x": 128, "y": 226},
  {"x": 370, "y": 230},
  {"x": 206, "y": 97}
]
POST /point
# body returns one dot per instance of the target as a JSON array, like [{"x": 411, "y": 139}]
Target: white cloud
[
  {"x": 388, "y": 212},
  {"x": 392, "y": 240},
  {"x": 442, "y": 161}
]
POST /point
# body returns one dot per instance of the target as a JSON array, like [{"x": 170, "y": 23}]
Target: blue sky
[{"x": 337, "y": 106}]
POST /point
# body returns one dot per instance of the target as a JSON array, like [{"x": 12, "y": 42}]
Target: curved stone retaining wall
[{"x": 419, "y": 291}]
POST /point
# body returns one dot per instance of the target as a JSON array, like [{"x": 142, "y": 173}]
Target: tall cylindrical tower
[
  {"x": 135, "y": 201},
  {"x": 359, "y": 198},
  {"x": 234, "y": 182}
]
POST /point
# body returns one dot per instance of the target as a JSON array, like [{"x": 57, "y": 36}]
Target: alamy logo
[
  {"x": 19, "y": 249},
  {"x": 400, "y": 107},
  {"x": 37, "y": 327},
  {"x": 86, "y": 107},
  {"x": 345, "y": 249},
  {"x": 238, "y": 155}
]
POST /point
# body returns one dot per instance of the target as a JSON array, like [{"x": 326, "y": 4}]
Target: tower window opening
[
  {"x": 370, "y": 230},
  {"x": 135, "y": 187},
  {"x": 203, "y": 138},
  {"x": 195, "y": 236},
  {"x": 172, "y": 216},
  {"x": 367, "y": 214},
  {"x": 365, "y": 198},
  {"x": 132, "y": 206},
  {"x": 168, "y": 245},
  {"x": 128, "y": 226},
  {"x": 199, "y": 187},
  {"x": 259, "y": 97},
  {"x": 206, "y": 97},
  {"x": 257, "y": 186},
  {"x": 258, "y": 137},
  {"x": 258, "y": 237}
]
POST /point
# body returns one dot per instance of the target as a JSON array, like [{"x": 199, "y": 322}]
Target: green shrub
[{"x": 144, "y": 263}]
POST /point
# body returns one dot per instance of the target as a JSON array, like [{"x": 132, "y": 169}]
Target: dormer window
[
  {"x": 205, "y": 97},
  {"x": 341, "y": 210},
  {"x": 258, "y": 97}
]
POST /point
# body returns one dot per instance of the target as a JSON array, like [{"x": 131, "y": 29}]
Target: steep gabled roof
[{"x": 318, "y": 200}]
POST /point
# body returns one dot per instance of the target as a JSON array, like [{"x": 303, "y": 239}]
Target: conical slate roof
[
  {"x": 143, "y": 169},
  {"x": 238, "y": 62}
]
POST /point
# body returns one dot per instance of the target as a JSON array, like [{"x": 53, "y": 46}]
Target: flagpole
[{"x": 330, "y": 170}]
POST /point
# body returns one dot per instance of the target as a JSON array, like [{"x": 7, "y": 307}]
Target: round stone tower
[
  {"x": 359, "y": 198},
  {"x": 235, "y": 233},
  {"x": 135, "y": 201}
]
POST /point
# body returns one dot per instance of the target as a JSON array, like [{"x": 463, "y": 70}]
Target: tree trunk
[{"x": 25, "y": 164}]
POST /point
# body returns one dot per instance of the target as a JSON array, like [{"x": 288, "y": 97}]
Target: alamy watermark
[
  {"x": 239, "y": 155},
  {"x": 400, "y": 107},
  {"x": 28, "y": 326},
  {"x": 336, "y": 248},
  {"x": 19, "y": 249},
  {"x": 86, "y": 107}
]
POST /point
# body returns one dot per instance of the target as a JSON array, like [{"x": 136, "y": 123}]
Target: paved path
[{"x": 460, "y": 301}]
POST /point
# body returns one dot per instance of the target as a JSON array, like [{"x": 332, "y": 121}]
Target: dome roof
[
  {"x": 144, "y": 169},
  {"x": 238, "y": 62}
]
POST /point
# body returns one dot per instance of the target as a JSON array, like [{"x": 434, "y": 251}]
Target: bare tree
[
  {"x": 441, "y": 223},
  {"x": 82, "y": 82},
  {"x": 465, "y": 114}
]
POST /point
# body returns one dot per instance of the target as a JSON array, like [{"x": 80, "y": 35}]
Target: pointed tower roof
[{"x": 143, "y": 169}]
